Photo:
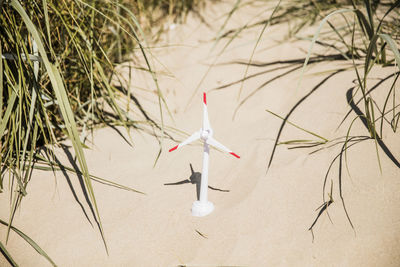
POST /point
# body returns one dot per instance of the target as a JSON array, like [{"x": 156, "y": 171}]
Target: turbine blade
[
  {"x": 215, "y": 143},
  {"x": 192, "y": 138},
  {"x": 206, "y": 122}
]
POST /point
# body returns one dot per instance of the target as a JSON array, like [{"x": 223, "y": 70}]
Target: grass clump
[
  {"x": 362, "y": 34},
  {"x": 364, "y": 43},
  {"x": 57, "y": 61},
  {"x": 154, "y": 13}
]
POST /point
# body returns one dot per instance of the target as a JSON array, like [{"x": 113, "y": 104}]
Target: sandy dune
[{"x": 264, "y": 218}]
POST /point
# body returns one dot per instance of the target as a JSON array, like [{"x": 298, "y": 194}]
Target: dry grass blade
[
  {"x": 255, "y": 46},
  {"x": 228, "y": 17},
  {"x": 217, "y": 57},
  {"x": 323, "y": 208},
  {"x": 201, "y": 234},
  {"x": 298, "y": 127}
]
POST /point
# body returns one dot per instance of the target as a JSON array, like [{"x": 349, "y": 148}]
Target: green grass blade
[
  {"x": 365, "y": 26},
  {"x": 47, "y": 21},
  {"x": 7, "y": 255},
  {"x": 347, "y": 139},
  {"x": 392, "y": 89},
  {"x": 64, "y": 106},
  {"x": 1, "y": 82},
  {"x": 314, "y": 39},
  {"x": 30, "y": 242},
  {"x": 375, "y": 135},
  {"x": 54, "y": 166},
  {"x": 10, "y": 105},
  {"x": 369, "y": 12},
  {"x": 393, "y": 47},
  {"x": 395, "y": 4}
]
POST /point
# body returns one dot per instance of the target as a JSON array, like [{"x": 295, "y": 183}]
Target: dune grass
[
  {"x": 57, "y": 63},
  {"x": 363, "y": 34},
  {"x": 58, "y": 59},
  {"x": 377, "y": 47}
]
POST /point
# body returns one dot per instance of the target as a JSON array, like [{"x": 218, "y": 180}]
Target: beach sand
[{"x": 264, "y": 218}]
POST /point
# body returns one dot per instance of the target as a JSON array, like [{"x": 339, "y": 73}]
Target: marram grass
[
  {"x": 362, "y": 34},
  {"x": 57, "y": 59},
  {"x": 377, "y": 46}
]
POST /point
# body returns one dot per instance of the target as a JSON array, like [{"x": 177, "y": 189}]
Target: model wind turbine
[{"x": 203, "y": 207}]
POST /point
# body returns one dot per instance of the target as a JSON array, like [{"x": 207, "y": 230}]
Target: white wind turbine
[{"x": 203, "y": 207}]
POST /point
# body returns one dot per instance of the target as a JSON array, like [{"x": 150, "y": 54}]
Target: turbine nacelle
[{"x": 205, "y": 134}]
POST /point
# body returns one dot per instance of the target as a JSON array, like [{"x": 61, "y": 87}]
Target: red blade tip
[
  {"x": 204, "y": 98},
  {"x": 233, "y": 154},
  {"x": 172, "y": 149}
]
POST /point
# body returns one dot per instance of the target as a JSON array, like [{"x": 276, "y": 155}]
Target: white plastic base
[{"x": 200, "y": 209}]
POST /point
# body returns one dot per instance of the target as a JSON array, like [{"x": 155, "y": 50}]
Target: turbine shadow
[{"x": 195, "y": 178}]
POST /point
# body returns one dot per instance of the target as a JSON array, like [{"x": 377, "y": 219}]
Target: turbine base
[{"x": 200, "y": 209}]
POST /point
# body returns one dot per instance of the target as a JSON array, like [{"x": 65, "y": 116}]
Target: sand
[{"x": 264, "y": 218}]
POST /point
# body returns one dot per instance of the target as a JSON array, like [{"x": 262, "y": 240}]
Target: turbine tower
[{"x": 203, "y": 207}]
